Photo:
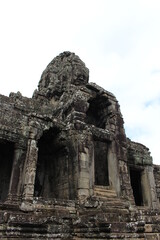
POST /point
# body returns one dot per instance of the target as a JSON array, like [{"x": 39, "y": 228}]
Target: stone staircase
[
  {"x": 106, "y": 216},
  {"x": 109, "y": 198},
  {"x": 104, "y": 191}
]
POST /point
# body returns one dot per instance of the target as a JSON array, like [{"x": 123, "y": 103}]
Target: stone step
[
  {"x": 102, "y": 191},
  {"x": 115, "y": 203},
  {"x": 105, "y": 194},
  {"x": 109, "y": 197}
]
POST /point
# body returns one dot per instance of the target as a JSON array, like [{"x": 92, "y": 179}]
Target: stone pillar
[
  {"x": 91, "y": 168},
  {"x": 30, "y": 171},
  {"x": 84, "y": 178},
  {"x": 148, "y": 187},
  {"x": 114, "y": 178},
  {"x": 15, "y": 181}
]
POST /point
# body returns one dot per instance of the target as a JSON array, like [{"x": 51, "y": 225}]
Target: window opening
[
  {"x": 98, "y": 111},
  {"x": 101, "y": 163}
]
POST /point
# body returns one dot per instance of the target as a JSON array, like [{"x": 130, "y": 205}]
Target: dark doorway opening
[
  {"x": 101, "y": 163},
  {"x": 6, "y": 160},
  {"x": 98, "y": 111},
  {"x": 52, "y": 167},
  {"x": 135, "y": 176}
]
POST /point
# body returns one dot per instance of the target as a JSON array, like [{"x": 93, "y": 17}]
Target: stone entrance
[
  {"x": 135, "y": 176},
  {"x": 52, "y": 167},
  {"x": 6, "y": 161}
]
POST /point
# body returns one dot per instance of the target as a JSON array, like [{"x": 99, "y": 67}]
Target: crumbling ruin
[{"x": 67, "y": 169}]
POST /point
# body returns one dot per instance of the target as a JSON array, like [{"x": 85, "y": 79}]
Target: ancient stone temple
[{"x": 67, "y": 169}]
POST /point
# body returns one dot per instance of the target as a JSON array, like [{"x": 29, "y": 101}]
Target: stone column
[
  {"x": 15, "y": 181},
  {"x": 84, "y": 178},
  {"x": 30, "y": 171},
  {"x": 91, "y": 168},
  {"x": 113, "y": 168},
  {"x": 148, "y": 187}
]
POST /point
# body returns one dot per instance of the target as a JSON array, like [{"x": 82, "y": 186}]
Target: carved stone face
[
  {"x": 80, "y": 75},
  {"x": 64, "y": 70}
]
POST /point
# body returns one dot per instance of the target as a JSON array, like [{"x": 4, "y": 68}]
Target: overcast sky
[{"x": 118, "y": 40}]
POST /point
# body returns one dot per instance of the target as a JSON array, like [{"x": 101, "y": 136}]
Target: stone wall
[{"x": 157, "y": 180}]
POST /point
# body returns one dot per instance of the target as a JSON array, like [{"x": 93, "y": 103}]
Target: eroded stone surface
[{"x": 67, "y": 169}]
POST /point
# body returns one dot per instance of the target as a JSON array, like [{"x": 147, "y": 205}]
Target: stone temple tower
[{"x": 67, "y": 169}]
